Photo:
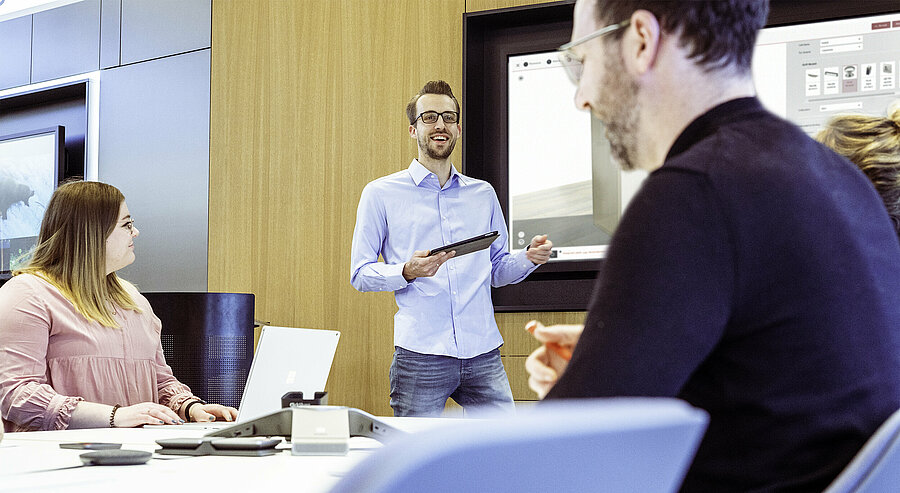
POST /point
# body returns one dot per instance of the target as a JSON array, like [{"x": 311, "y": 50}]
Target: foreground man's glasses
[{"x": 572, "y": 62}]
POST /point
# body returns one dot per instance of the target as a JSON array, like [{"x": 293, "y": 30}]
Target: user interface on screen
[
  {"x": 562, "y": 180},
  {"x": 809, "y": 72},
  {"x": 28, "y": 176}
]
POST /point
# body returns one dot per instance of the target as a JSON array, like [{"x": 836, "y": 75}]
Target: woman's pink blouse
[{"x": 51, "y": 357}]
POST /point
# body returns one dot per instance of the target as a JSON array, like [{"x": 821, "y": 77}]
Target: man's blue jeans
[{"x": 421, "y": 384}]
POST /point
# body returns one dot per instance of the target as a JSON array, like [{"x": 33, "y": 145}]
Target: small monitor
[{"x": 31, "y": 165}]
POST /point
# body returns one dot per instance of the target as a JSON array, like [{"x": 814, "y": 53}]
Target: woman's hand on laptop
[
  {"x": 211, "y": 412},
  {"x": 145, "y": 413}
]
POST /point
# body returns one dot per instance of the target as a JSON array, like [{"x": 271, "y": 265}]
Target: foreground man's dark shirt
[{"x": 757, "y": 276}]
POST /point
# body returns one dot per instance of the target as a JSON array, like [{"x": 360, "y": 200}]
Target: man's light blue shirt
[{"x": 450, "y": 313}]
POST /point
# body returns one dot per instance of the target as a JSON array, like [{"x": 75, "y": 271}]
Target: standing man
[
  {"x": 755, "y": 274},
  {"x": 446, "y": 341}
]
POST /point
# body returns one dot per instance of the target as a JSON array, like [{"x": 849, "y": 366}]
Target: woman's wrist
[
  {"x": 189, "y": 405},
  {"x": 112, "y": 416}
]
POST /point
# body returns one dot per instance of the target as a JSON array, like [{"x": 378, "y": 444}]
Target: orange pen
[{"x": 561, "y": 351}]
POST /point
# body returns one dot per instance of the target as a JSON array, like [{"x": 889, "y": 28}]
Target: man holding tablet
[{"x": 446, "y": 342}]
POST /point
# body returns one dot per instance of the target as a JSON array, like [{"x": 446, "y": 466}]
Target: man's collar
[
  {"x": 418, "y": 172},
  {"x": 707, "y": 123}
]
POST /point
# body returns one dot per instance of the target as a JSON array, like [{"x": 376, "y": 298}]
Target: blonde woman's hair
[
  {"x": 873, "y": 144},
  {"x": 71, "y": 250}
]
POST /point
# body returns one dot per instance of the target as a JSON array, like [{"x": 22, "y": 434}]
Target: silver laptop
[{"x": 287, "y": 359}]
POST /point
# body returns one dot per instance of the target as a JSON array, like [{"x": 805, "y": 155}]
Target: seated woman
[
  {"x": 873, "y": 144},
  {"x": 79, "y": 347}
]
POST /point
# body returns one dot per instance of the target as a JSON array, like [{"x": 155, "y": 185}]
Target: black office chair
[{"x": 207, "y": 339}]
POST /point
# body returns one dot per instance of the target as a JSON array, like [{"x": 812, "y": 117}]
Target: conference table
[{"x": 34, "y": 462}]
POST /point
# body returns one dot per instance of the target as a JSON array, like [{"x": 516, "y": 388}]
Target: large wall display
[{"x": 550, "y": 163}]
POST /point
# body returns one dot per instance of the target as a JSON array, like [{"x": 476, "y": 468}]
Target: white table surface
[{"x": 33, "y": 462}]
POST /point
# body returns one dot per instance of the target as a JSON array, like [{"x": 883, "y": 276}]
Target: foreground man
[{"x": 755, "y": 275}]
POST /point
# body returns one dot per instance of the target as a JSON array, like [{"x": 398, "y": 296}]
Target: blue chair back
[
  {"x": 610, "y": 445},
  {"x": 876, "y": 467}
]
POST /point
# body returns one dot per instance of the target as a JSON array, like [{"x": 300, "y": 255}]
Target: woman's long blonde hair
[
  {"x": 872, "y": 143},
  {"x": 71, "y": 250}
]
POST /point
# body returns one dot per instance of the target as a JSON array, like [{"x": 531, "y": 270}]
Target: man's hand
[
  {"x": 422, "y": 266},
  {"x": 544, "y": 365},
  {"x": 539, "y": 250}
]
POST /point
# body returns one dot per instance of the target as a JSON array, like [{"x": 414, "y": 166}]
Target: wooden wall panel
[
  {"x": 476, "y": 5},
  {"x": 308, "y": 101}
]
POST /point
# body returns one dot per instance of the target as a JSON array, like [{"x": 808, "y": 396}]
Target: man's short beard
[
  {"x": 622, "y": 142},
  {"x": 621, "y": 109},
  {"x": 433, "y": 153}
]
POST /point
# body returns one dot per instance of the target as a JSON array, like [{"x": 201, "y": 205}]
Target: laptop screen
[{"x": 287, "y": 359}]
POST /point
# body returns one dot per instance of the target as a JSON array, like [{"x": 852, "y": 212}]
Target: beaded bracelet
[{"x": 112, "y": 416}]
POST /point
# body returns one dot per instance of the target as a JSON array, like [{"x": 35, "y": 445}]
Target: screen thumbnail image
[{"x": 27, "y": 180}]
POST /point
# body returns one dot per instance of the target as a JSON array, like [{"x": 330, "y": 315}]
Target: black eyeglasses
[{"x": 430, "y": 117}]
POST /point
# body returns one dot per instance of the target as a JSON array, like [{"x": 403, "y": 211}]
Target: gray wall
[
  {"x": 154, "y": 57},
  {"x": 163, "y": 168},
  {"x": 65, "y": 41},
  {"x": 15, "y": 57}
]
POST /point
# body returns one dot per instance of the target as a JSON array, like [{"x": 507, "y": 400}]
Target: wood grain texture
[
  {"x": 518, "y": 342},
  {"x": 477, "y": 5},
  {"x": 308, "y": 100}
]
